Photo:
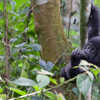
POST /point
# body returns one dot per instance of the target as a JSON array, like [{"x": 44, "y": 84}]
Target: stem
[
  {"x": 34, "y": 93},
  {"x": 6, "y": 41},
  {"x": 83, "y": 26}
]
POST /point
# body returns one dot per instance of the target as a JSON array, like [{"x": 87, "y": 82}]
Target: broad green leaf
[
  {"x": 46, "y": 65},
  {"x": 3, "y": 97},
  {"x": 51, "y": 95},
  {"x": 36, "y": 47},
  {"x": 41, "y": 2},
  {"x": 24, "y": 82},
  {"x": 20, "y": 45},
  {"x": 20, "y": 92},
  {"x": 42, "y": 80},
  {"x": 1, "y": 90},
  {"x": 75, "y": 90},
  {"x": 62, "y": 80},
  {"x": 44, "y": 72},
  {"x": 1, "y": 6},
  {"x": 24, "y": 73},
  {"x": 95, "y": 93},
  {"x": 97, "y": 2},
  {"x": 85, "y": 63},
  {"x": 84, "y": 82},
  {"x": 20, "y": 64},
  {"x": 53, "y": 81},
  {"x": 42, "y": 63}
]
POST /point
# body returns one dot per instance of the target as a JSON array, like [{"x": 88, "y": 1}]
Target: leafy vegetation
[{"x": 32, "y": 78}]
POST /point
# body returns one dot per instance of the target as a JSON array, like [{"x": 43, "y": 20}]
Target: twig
[
  {"x": 7, "y": 47},
  {"x": 70, "y": 16},
  {"x": 34, "y": 93}
]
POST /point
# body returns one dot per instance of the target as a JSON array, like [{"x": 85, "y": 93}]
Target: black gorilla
[
  {"x": 90, "y": 51},
  {"x": 93, "y": 22}
]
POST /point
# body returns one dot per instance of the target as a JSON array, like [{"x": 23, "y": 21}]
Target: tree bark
[
  {"x": 84, "y": 14},
  {"x": 6, "y": 41},
  {"x": 50, "y": 31}
]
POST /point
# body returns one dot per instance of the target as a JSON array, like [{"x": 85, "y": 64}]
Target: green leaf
[
  {"x": 3, "y": 97},
  {"x": 97, "y": 2},
  {"x": 75, "y": 90},
  {"x": 85, "y": 63},
  {"x": 42, "y": 80},
  {"x": 20, "y": 64},
  {"x": 24, "y": 73},
  {"x": 1, "y": 6},
  {"x": 62, "y": 80},
  {"x": 20, "y": 45},
  {"x": 84, "y": 82},
  {"x": 24, "y": 82},
  {"x": 1, "y": 90},
  {"x": 51, "y": 95},
  {"x": 20, "y": 92},
  {"x": 95, "y": 93},
  {"x": 53, "y": 81},
  {"x": 41, "y": 2}
]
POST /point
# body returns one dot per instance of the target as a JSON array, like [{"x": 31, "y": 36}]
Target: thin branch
[
  {"x": 83, "y": 25},
  {"x": 7, "y": 47},
  {"x": 34, "y": 93},
  {"x": 69, "y": 24}
]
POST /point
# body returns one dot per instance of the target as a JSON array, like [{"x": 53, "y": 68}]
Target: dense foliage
[{"x": 28, "y": 72}]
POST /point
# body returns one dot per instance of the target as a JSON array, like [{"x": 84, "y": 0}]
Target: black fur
[
  {"x": 90, "y": 51},
  {"x": 93, "y": 22}
]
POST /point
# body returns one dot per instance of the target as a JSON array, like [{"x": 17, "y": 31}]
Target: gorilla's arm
[
  {"x": 69, "y": 72},
  {"x": 93, "y": 22},
  {"x": 91, "y": 50},
  {"x": 87, "y": 53}
]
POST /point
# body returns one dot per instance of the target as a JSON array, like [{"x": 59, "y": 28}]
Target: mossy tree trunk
[
  {"x": 85, "y": 7},
  {"x": 50, "y": 31}
]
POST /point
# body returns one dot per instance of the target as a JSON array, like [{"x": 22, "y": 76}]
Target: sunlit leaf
[
  {"x": 49, "y": 65},
  {"x": 18, "y": 91},
  {"x": 84, "y": 82},
  {"x": 42, "y": 80},
  {"x": 54, "y": 81},
  {"x": 41, "y": 2},
  {"x": 13, "y": 40},
  {"x": 62, "y": 80},
  {"x": 24, "y": 82},
  {"x": 36, "y": 47},
  {"x": 95, "y": 93},
  {"x": 44, "y": 72},
  {"x": 3, "y": 97},
  {"x": 85, "y": 63},
  {"x": 42, "y": 63},
  {"x": 20, "y": 45},
  {"x": 51, "y": 95},
  {"x": 1, "y": 90}
]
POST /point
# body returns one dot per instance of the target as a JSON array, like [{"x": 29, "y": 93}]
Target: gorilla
[{"x": 91, "y": 50}]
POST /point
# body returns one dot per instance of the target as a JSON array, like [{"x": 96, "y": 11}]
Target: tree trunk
[
  {"x": 50, "y": 31},
  {"x": 84, "y": 14}
]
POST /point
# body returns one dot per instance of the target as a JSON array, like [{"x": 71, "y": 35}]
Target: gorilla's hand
[
  {"x": 65, "y": 72},
  {"x": 76, "y": 53}
]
